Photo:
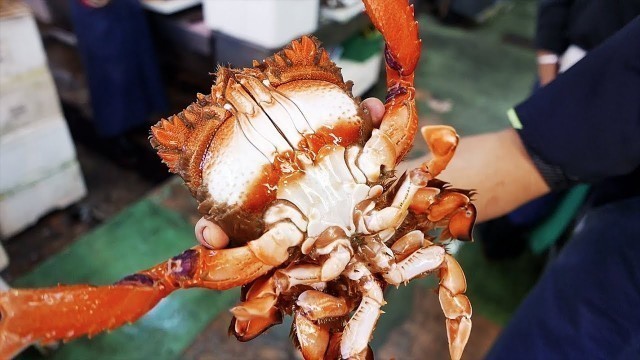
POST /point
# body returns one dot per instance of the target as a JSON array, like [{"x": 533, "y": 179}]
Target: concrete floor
[{"x": 469, "y": 77}]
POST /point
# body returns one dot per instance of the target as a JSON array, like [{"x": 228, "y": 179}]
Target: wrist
[{"x": 547, "y": 59}]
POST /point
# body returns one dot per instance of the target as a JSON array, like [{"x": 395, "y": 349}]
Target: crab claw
[
  {"x": 462, "y": 221},
  {"x": 442, "y": 141}
]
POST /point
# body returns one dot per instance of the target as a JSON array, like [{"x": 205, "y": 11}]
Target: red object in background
[{"x": 96, "y": 3}]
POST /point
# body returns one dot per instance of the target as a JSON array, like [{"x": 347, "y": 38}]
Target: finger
[
  {"x": 375, "y": 109},
  {"x": 211, "y": 235}
]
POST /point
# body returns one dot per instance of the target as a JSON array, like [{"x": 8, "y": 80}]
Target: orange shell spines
[
  {"x": 182, "y": 140},
  {"x": 303, "y": 59}
]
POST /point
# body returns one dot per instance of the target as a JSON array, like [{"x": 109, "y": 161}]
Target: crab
[{"x": 282, "y": 157}]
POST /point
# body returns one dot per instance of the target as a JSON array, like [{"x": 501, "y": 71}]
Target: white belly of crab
[
  {"x": 267, "y": 122},
  {"x": 326, "y": 193}
]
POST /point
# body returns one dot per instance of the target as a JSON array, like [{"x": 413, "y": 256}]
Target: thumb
[{"x": 210, "y": 235}]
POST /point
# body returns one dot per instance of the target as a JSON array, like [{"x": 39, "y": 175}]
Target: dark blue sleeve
[
  {"x": 552, "y": 25},
  {"x": 586, "y": 123}
]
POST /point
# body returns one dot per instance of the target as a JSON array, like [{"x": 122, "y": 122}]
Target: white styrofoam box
[
  {"x": 24, "y": 206},
  {"x": 342, "y": 14},
  {"x": 21, "y": 48},
  {"x": 364, "y": 74},
  {"x": 31, "y": 153},
  {"x": 268, "y": 23},
  {"x": 28, "y": 98}
]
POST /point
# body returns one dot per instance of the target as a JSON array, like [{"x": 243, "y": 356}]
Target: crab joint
[{"x": 183, "y": 265}]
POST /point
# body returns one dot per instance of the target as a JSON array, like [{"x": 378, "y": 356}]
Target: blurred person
[
  {"x": 120, "y": 64},
  {"x": 582, "y": 128},
  {"x": 565, "y": 31}
]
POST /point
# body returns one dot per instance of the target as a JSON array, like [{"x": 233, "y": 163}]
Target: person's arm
[
  {"x": 498, "y": 167},
  {"x": 550, "y": 39}
]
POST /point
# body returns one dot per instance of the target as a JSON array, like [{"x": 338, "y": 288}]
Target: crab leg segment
[
  {"x": 455, "y": 305},
  {"x": 257, "y": 313},
  {"x": 427, "y": 258},
  {"x": 66, "y": 312},
  {"x": 442, "y": 141},
  {"x": 451, "y": 207},
  {"x": 359, "y": 329},
  {"x": 391, "y": 217},
  {"x": 309, "y": 274},
  {"x": 315, "y": 305},
  {"x": 402, "y": 52},
  {"x": 312, "y": 337}
]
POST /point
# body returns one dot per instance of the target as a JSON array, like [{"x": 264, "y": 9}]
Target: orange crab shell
[{"x": 235, "y": 146}]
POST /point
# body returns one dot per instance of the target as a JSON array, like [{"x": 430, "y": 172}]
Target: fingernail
[{"x": 206, "y": 235}]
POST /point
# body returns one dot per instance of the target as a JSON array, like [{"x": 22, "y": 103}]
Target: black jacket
[{"x": 585, "y": 23}]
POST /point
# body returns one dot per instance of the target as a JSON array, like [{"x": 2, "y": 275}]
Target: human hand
[{"x": 210, "y": 235}]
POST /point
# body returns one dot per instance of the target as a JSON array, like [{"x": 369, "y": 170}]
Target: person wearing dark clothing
[
  {"x": 584, "y": 127},
  {"x": 567, "y": 29},
  {"x": 122, "y": 72},
  {"x": 585, "y": 23}
]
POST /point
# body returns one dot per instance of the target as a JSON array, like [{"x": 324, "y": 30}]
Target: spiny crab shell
[{"x": 242, "y": 147}]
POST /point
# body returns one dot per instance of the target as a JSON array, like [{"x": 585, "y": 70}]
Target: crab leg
[
  {"x": 455, "y": 305},
  {"x": 257, "y": 312},
  {"x": 312, "y": 336},
  {"x": 338, "y": 254},
  {"x": 67, "y": 312},
  {"x": 452, "y": 207},
  {"x": 402, "y": 52},
  {"x": 429, "y": 257},
  {"x": 359, "y": 329}
]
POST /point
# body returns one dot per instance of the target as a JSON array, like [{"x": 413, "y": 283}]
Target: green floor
[
  {"x": 139, "y": 237},
  {"x": 482, "y": 77}
]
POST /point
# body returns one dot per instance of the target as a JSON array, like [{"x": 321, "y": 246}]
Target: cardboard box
[{"x": 267, "y": 23}]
